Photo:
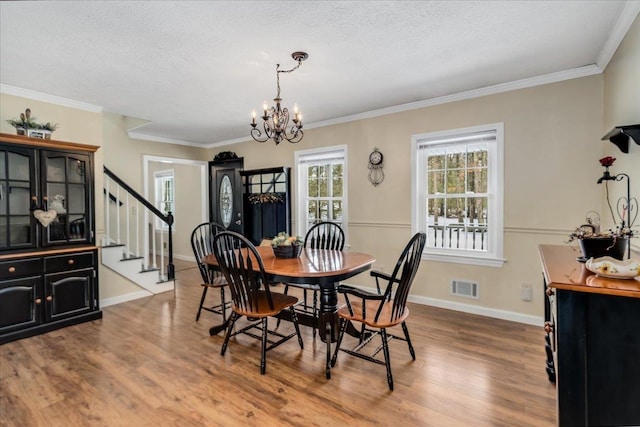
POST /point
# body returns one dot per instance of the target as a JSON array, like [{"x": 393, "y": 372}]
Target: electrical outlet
[
  {"x": 526, "y": 292},
  {"x": 164, "y": 245}
]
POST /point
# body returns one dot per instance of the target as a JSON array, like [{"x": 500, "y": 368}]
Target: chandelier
[{"x": 276, "y": 119}]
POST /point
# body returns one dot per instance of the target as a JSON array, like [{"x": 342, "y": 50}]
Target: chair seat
[
  {"x": 372, "y": 307},
  {"x": 280, "y": 302}
]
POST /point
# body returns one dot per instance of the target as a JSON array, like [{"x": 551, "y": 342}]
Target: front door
[{"x": 225, "y": 194}]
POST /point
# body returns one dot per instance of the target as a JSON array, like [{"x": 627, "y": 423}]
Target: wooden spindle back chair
[
  {"x": 377, "y": 312},
  {"x": 202, "y": 244},
  {"x": 323, "y": 235},
  {"x": 251, "y": 296}
]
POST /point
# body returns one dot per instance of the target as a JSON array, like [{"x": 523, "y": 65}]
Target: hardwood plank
[{"x": 148, "y": 363}]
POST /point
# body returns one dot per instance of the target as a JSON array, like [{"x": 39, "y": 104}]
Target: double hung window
[
  {"x": 457, "y": 194},
  {"x": 321, "y": 187}
]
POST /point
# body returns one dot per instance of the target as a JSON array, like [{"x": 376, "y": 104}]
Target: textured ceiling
[{"x": 196, "y": 70}]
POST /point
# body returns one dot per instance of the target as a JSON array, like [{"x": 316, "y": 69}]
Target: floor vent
[{"x": 464, "y": 288}]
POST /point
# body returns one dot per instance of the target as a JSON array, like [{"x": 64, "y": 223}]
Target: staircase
[{"x": 150, "y": 269}]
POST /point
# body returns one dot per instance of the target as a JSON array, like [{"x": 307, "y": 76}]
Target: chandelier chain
[{"x": 278, "y": 71}]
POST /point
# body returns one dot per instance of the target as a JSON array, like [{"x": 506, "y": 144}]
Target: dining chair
[
  {"x": 202, "y": 245},
  {"x": 243, "y": 269},
  {"x": 379, "y": 311},
  {"x": 323, "y": 235}
]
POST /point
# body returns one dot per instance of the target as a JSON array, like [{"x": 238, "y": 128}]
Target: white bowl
[{"x": 607, "y": 266}]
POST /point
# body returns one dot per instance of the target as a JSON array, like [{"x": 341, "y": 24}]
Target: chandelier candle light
[{"x": 276, "y": 119}]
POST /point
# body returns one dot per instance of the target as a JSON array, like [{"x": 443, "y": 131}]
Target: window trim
[
  {"x": 161, "y": 225},
  {"x": 299, "y": 156},
  {"x": 495, "y": 190}
]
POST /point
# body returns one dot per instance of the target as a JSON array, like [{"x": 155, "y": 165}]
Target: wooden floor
[{"x": 148, "y": 363}]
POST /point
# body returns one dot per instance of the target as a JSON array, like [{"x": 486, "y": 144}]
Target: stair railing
[{"x": 122, "y": 209}]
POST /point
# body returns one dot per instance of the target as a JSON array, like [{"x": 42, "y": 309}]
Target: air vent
[{"x": 464, "y": 288}]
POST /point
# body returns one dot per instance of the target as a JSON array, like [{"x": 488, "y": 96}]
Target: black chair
[
  {"x": 250, "y": 293},
  {"x": 202, "y": 245},
  {"x": 323, "y": 235},
  {"x": 377, "y": 312}
]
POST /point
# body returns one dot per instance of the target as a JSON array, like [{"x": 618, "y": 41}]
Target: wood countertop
[{"x": 562, "y": 271}]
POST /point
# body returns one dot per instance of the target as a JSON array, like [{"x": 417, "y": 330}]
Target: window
[
  {"x": 457, "y": 194},
  {"x": 165, "y": 196},
  {"x": 321, "y": 187}
]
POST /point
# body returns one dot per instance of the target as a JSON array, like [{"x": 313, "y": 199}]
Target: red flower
[{"x": 607, "y": 161}]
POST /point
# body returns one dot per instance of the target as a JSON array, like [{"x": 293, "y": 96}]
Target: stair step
[
  {"x": 114, "y": 254},
  {"x": 131, "y": 258}
]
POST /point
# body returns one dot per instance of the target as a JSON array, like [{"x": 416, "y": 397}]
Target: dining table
[{"x": 323, "y": 269}]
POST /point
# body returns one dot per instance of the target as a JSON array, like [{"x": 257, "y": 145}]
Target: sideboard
[{"x": 593, "y": 332}]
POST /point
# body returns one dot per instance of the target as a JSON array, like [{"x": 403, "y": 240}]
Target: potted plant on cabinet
[
  {"x": 28, "y": 126},
  {"x": 613, "y": 242}
]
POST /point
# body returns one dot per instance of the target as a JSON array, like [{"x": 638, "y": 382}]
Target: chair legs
[
  {"x": 384, "y": 347},
  {"x": 266, "y": 344},
  {"x": 204, "y": 294},
  {"x": 387, "y": 361},
  {"x": 294, "y": 317},
  {"x": 232, "y": 321},
  {"x": 343, "y": 328},
  {"x": 406, "y": 336},
  {"x": 220, "y": 308},
  {"x": 305, "y": 305},
  {"x": 263, "y": 350}
]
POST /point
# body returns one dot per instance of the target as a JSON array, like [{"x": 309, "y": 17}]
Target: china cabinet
[{"x": 48, "y": 257}]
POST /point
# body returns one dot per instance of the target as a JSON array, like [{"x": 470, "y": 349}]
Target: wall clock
[{"x": 376, "y": 174}]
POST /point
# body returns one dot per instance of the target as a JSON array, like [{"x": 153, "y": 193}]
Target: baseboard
[
  {"x": 472, "y": 309},
  {"x": 124, "y": 298},
  {"x": 479, "y": 310}
]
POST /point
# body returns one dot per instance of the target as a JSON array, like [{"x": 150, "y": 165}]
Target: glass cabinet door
[
  {"x": 65, "y": 190},
  {"x": 17, "y": 187}
]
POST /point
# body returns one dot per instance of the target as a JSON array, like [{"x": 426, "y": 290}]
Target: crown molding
[
  {"x": 628, "y": 15},
  {"x": 51, "y": 99}
]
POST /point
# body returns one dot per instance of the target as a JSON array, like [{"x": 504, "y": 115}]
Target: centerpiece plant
[{"x": 286, "y": 246}]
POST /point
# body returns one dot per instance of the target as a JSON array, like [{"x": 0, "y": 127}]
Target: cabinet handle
[
  {"x": 38, "y": 301},
  {"x": 548, "y": 327},
  {"x": 71, "y": 262},
  {"x": 49, "y": 298},
  {"x": 12, "y": 269},
  {"x": 549, "y": 292}
]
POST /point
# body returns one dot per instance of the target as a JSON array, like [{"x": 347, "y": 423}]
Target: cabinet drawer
[
  {"x": 20, "y": 268},
  {"x": 68, "y": 262}
]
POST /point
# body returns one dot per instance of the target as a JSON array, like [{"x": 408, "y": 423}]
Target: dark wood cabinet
[
  {"x": 48, "y": 270},
  {"x": 593, "y": 333}
]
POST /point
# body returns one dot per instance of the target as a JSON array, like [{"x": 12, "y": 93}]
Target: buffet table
[{"x": 593, "y": 338}]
